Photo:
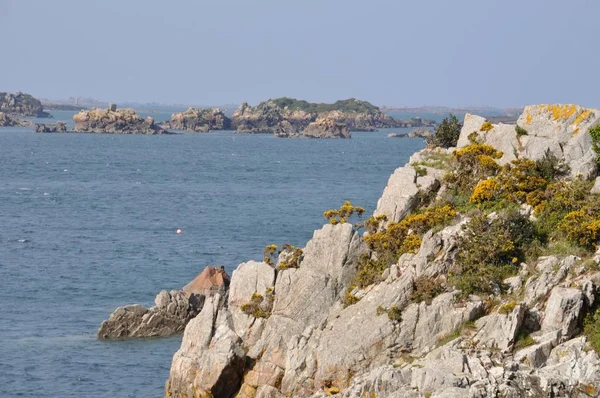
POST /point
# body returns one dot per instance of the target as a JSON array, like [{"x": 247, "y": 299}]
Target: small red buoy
[{"x": 179, "y": 232}]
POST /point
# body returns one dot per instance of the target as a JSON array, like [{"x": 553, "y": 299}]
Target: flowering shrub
[
  {"x": 341, "y": 215},
  {"x": 472, "y": 164}
]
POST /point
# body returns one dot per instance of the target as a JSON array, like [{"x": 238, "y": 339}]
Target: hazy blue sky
[{"x": 475, "y": 52}]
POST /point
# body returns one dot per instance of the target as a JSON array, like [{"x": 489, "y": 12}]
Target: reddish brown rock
[{"x": 210, "y": 281}]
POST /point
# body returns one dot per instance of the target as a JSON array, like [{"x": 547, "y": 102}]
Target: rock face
[
  {"x": 58, "y": 127},
  {"x": 171, "y": 313},
  {"x": 21, "y": 104},
  {"x": 560, "y": 129},
  {"x": 122, "y": 121},
  {"x": 9, "y": 121},
  {"x": 310, "y": 332},
  {"x": 199, "y": 120}
]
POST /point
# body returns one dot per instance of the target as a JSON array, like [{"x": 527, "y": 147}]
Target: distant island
[
  {"x": 288, "y": 117},
  {"x": 21, "y": 104}
]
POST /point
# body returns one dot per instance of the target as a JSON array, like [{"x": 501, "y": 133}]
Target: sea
[{"x": 88, "y": 223}]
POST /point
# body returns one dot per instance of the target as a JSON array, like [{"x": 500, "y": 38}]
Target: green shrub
[
  {"x": 591, "y": 329},
  {"x": 507, "y": 308},
  {"x": 487, "y": 126},
  {"x": 426, "y": 288},
  {"x": 472, "y": 164},
  {"x": 551, "y": 167},
  {"x": 523, "y": 340},
  {"x": 595, "y": 134},
  {"x": 394, "y": 313},
  {"x": 254, "y": 308},
  {"x": 446, "y": 134},
  {"x": 295, "y": 256},
  {"x": 520, "y": 130},
  {"x": 270, "y": 254},
  {"x": 489, "y": 251}
]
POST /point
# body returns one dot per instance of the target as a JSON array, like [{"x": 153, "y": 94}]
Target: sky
[{"x": 397, "y": 53}]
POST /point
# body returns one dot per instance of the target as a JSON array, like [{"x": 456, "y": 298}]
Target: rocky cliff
[
  {"x": 121, "y": 121},
  {"x": 478, "y": 275},
  {"x": 267, "y": 117},
  {"x": 21, "y": 104},
  {"x": 199, "y": 120}
]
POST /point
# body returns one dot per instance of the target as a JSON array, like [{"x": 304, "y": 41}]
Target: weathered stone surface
[
  {"x": 58, "y": 127},
  {"x": 326, "y": 128},
  {"x": 400, "y": 195},
  {"x": 249, "y": 278},
  {"x": 503, "y": 137},
  {"x": 21, "y": 104},
  {"x": 552, "y": 271},
  {"x": 499, "y": 330},
  {"x": 564, "y": 310},
  {"x": 10, "y": 121},
  {"x": 535, "y": 356},
  {"x": 121, "y": 121},
  {"x": 211, "y": 359},
  {"x": 199, "y": 120},
  {"x": 559, "y": 129}
]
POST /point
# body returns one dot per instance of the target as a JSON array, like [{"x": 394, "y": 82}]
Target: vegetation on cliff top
[
  {"x": 446, "y": 134},
  {"x": 499, "y": 234},
  {"x": 351, "y": 105}
]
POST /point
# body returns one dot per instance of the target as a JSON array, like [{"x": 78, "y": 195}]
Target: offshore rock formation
[
  {"x": 9, "y": 121},
  {"x": 417, "y": 133},
  {"x": 323, "y": 127},
  {"x": 310, "y": 341},
  {"x": 290, "y": 118},
  {"x": 21, "y": 104},
  {"x": 199, "y": 120},
  {"x": 58, "y": 127},
  {"x": 111, "y": 120},
  {"x": 171, "y": 313}
]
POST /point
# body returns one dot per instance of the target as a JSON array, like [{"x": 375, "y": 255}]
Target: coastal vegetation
[
  {"x": 447, "y": 133},
  {"x": 351, "y": 105}
]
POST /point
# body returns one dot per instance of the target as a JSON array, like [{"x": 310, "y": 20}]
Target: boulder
[
  {"x": 121, "y": 121},
  {"x": 564, "y": 311},
  {"x": 58, "y": 127},
  {"x": 199, "y": 120},
  {"x": 499, "y": 330}
]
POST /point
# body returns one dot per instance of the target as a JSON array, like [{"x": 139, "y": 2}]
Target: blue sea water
[{"x": 88, "y": 221}]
